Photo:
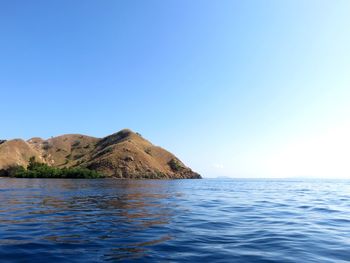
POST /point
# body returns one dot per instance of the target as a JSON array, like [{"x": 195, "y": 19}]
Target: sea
[{"x": 209, "y": 220}]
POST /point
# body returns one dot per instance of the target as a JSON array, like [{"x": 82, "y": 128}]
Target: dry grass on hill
[{"x": 124, "y": 154}]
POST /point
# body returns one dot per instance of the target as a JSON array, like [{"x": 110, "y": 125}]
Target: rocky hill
[{"x": 124, "y": 154}]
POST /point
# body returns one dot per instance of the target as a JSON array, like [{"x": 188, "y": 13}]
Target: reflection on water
[
  {"x": 47, "y": 220},
  {"x": 117, "y": 217}
]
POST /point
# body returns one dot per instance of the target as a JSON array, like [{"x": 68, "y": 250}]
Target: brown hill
[{"x": 124, "y": 154}]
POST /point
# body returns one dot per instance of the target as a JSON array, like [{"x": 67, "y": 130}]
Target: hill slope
[{"x": 124, "y": 154}]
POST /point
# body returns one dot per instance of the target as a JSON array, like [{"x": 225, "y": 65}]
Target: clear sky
[{"x": 234, "y": 88}]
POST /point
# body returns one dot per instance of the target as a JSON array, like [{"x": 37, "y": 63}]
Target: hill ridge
[{"x": 124, "y": 154}]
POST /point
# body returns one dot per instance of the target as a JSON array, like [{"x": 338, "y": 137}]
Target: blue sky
[{"x": 234, "y": 88}]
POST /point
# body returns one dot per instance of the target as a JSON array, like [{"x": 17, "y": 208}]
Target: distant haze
[{"x": 233, "y": 88}]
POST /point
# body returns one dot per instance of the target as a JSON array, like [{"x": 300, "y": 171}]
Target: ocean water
[{"x": 48, "y": 220}]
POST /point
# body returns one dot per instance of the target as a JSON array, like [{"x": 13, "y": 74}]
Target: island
[{"x": 123, "y": 155}]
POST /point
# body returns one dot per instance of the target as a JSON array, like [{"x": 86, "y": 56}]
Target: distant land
[{"x": 124, "y": 155}]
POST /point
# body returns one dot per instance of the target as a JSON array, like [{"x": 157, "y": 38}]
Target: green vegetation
[
  {"x": 12, "y": 171},
  {"x": 78, "y": 156},
  {"x": 46, "y": 146},
  {"x": 40, "y": 170},
  {"x": 175, "y": 165},
  {"x": 75, "y": 143}
]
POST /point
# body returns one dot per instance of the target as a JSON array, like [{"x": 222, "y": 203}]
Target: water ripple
[{"x": 178, "y": 221}]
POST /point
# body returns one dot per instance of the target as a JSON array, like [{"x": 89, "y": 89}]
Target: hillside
[{"x": 124, "y": 154}]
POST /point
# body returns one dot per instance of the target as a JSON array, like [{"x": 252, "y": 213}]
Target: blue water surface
[{"x": 54, "y": 220}]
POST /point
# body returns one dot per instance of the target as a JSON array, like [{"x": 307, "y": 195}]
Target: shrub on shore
[
  {"x": 175, "y": 165},
  {"x": 40, "y": 170}
]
